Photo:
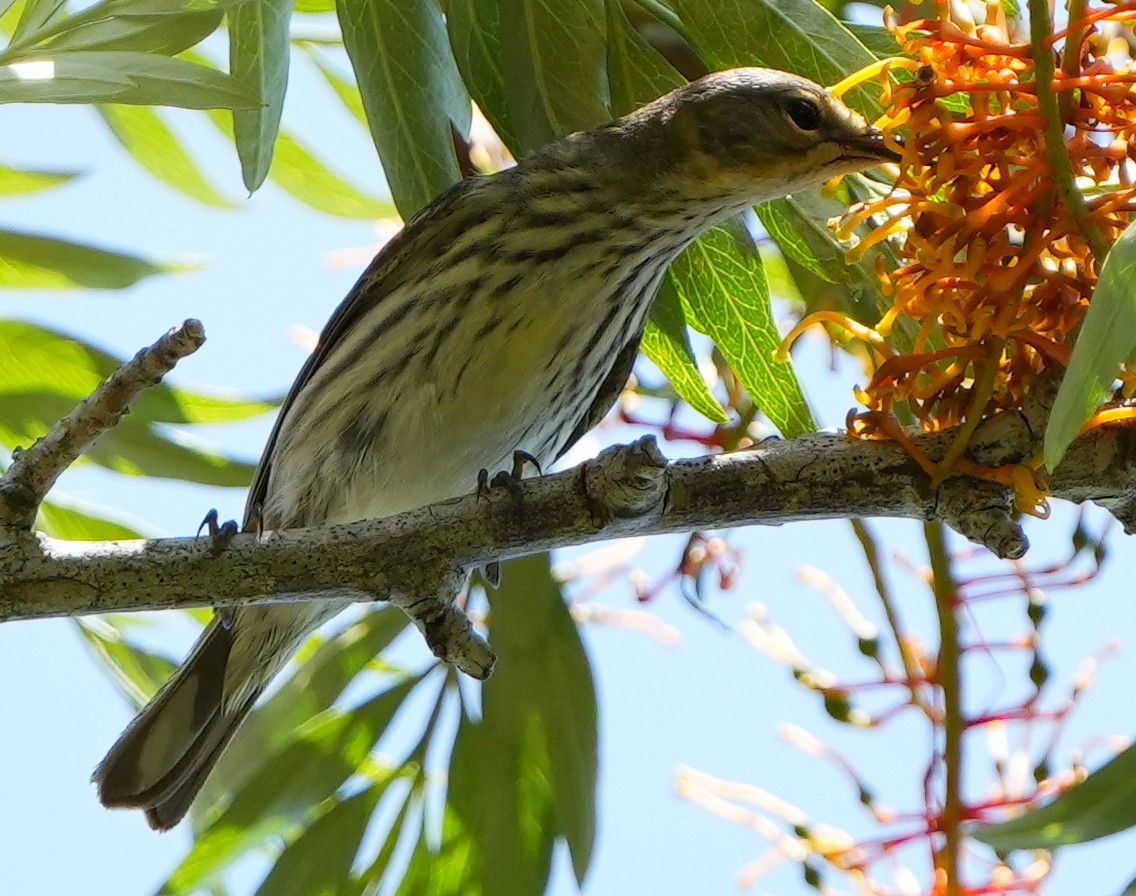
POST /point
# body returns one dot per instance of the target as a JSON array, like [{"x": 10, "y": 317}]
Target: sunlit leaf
[
  {"x": 36, "y": 14},
  {"x": 1104, "y": 803},
  {"x": 1106, "y": 341},
  {"x": 97, "y": 76},
  {"x": 322, "y": 755},
  {"x": 725, "y": 295},
  {"x": 798, "y": 36},
  {"x": 344, "y": 88},
  {"x": 259, "y": 50},
  {"x": 164, "y": 34},
  {"x": 318, "y": 862},
  {"x": 74, "y": 523},
  {"x": 302, "y": 174},
  {"x": 411, "y": 91},
  {"x": 29, "y": 261},
  {"x": 37, "y": 359},
  {"x": 137, "y": 672},
  {"x": 525, "y": 773},
  {"x": 317, "y": 682},
  {"x": 14, "y": 181},
  {"x": 667, "y": 344},
  {"x": 146, "y": 136}
]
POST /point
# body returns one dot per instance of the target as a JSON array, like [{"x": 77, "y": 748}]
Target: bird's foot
[
  {"x": 220, "y": 537},
  {"x": 220, "y": 534},
  {"x": 509, "y": 480}
]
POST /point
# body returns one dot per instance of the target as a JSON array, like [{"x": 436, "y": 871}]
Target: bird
[{"x": 504, "y": 318}]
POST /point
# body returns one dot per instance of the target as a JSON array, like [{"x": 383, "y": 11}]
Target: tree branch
[
  {"x": 34, "y": 470},
  {"x": 418, "y": 560},
  {"x": 627, "y": 490}
]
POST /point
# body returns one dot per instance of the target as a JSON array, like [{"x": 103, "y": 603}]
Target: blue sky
[{"x": 710, "y": 702}]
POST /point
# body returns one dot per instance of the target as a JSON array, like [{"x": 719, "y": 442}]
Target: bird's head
[{"x": 752, "y": 134}]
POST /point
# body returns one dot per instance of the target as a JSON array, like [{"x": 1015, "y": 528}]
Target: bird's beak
[{"x": 871, "y": 146}]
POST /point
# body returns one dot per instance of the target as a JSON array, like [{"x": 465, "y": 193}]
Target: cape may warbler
[{"x": 504, "y": 317}]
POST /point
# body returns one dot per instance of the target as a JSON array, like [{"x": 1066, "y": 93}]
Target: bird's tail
[{"x": 162, "y": 759}]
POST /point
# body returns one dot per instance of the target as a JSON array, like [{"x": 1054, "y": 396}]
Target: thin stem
[
  {"x": 1056, "y": 151},
  {"x": 949, "y": 669},
  {"x": 1071, "y": 54},
  {"x": 911, "y": 669},
  {"x": 983, "y": 392}
]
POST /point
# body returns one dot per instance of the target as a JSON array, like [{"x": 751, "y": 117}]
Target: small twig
[
  {"x": 34, "y": 470},
  {"x": 949, "y": 679},
  {"x": 1056, "y": 151}
]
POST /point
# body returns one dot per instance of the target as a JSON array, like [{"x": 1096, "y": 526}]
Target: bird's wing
[
  {"x": 608, "y": 392},
  {"x": 395, "y": 263}
]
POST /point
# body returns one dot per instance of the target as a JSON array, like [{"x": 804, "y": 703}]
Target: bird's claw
[
  {"x": 220, "y": 534},
  {"x": 509, "y": 480}
]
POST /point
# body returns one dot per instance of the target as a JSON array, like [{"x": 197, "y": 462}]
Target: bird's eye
[{"x": 806, "y": 114}]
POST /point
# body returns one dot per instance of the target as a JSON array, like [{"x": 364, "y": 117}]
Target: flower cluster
[{"x": 995, "y": 255}]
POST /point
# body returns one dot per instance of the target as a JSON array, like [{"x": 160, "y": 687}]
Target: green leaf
[
  {"x": 474, "y": 28},
  {"x": 445, "y": 870},
  {"x": 797, "y": 36},
  {"x": 259, "y": 50},
  {"x": 28, "y": 261},
  {"x": 1106, "y": 341},
  {"x": 318, "y": 862},
  {"x": 346, "y": 90},
  {"x": 167, "y": 35},
  {"x": 323, "y": 754},
  {"x": 1104, "y": 803},
  {"x": 315, "y": 7},
  {"x": 525, "y": 774},
  {"x": 798, "y": 225},
  {"x": 137, "y": 672},
  {"x": 317, "y": 682},
  {"x": 411, "y": 91},
  {"x": 636, "y": 71},
  {"x": 98, "y": 76},
  {"x": 74, "y": 523},
  {"x": 302, "y": 174},
  {"x": 37, "y": 13},
  {"x": 146, "y": 136},
  {"x": 16, "y": 181},
  {"x": 549, "y": 90},
  {"x": 37, "y": 359},
  {"x": 667, "y": 344},
  {"x": 725, "y": 296}
]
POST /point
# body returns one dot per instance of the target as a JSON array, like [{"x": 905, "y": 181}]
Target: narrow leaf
[
  {"x": 1106, "y": 341},
  {"x": 316, "y": 684},
  {"x": 164, "y": 34},
  {"x": 637, "y": 72},
  {"x": 259, "y": 50},
  {"x": 554, "y": 63},
  {"x": 799, "y": 36},
  {"x": 92, "y": 76},
  {"x": 15, "y": 181},
  {"x": 318, "y": 862},
  {"x": 324, "y": 753},
  {"x": 476, "y": 40},
  {"x": 307, "y": 178},
  {"x": 526, "y": 772},
  {"x": 74, "y": 523},
  {"x": 145, "y": 135},
  {"x": 411, "y": 91},
  {"x": 725, "y": 296},
  {"x": 667, "y": 344},
  {"x": 1104, "y": 803},
  {"x": 29, "y": 261}
]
